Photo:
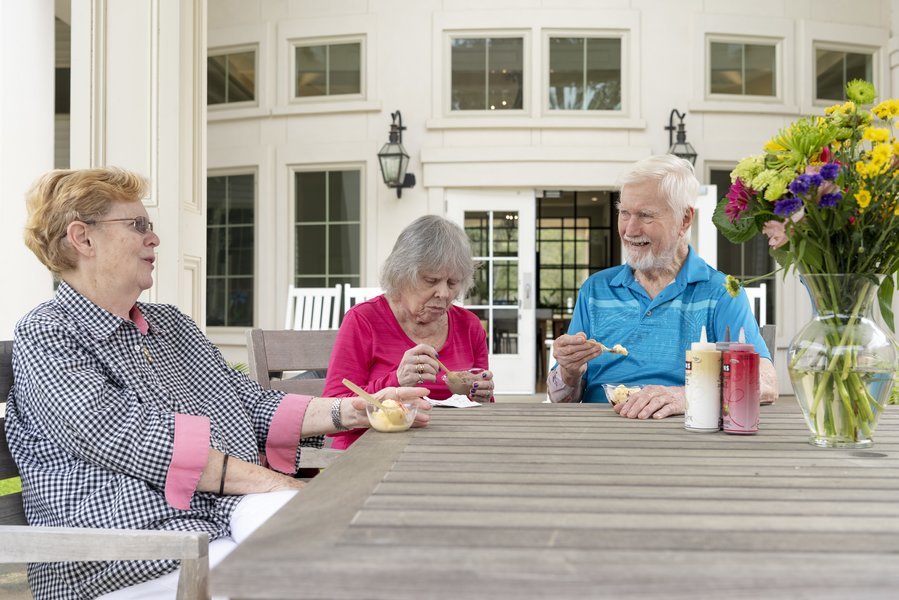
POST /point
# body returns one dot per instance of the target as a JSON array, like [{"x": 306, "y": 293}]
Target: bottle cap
[
  {"x": 703, "y": 344},
  {"x": 741, "y": 344}
]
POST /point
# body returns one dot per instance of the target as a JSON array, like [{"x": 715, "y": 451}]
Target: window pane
[
  {"x": 216, "y": 79},
  {"x": 505, "y": 331},
  {"x": 215, "y": 251},
  {"x": 468, "y": 81},
  {"x": 859, "y": 66},
  {"x": 240, "y": 250},
  {"x": 505, "y": 76},
  {"x": 345, "y": 65},
  {"x": 242, "y": 77},
  {"x": 760, "y": 68},
  {"x": 603, "y": 91},
  {"x": 476, "y": 226},
  {"x": 505, "y": 234},
  {"x": 343, "y": 250},
  {"x": 217, "y": 207},
  {"x": 240, "y": 302},
  {"x": 240, "y": 199},
  {"x": 311, "y": 71},
  {"x": 215, "y": 302},
  {"x": 505, "y": 282},
  {"x": 310, "y": 243},
  {"x": 478, "y": 292},
  {"x": 566, "y": 73},
  {"x": 311, "y": 194},
  {"x": 726, "y": 64},
  {"x": 835, "y": 68},
  {"x": 344, "y": 195}
]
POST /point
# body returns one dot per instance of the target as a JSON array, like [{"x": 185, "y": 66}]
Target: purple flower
[
  {"x": 799, "y": 185},
  {"x": 830, "y": 200},
  {"x": 814, "y": 179},
  {"x": 787, "y": 206},
  {"x": 830, "y": 171}
]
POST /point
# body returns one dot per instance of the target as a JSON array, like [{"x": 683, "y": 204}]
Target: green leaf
[
  {"x": 885, "y": 299},
  {"x": 742, "y": 231}
]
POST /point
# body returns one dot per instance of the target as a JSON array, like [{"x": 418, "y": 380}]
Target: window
[
  {"x": 584, "y": 73},
  {"x": 577, "y": 235},
  {"x": 231, "y": 78},
  {"x": 835, "y": 68},
  {"x": 487, "y": 73},
  {"x": 327, "y": 228},
  {"x": 750, "y": 259},
  {"x": 230, "y": 250},
  {"x": 742, "y": 69},
  {"x": 328, "y": 69}
]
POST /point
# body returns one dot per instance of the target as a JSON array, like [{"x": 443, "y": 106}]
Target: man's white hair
[{"x": 675, "y": 177}]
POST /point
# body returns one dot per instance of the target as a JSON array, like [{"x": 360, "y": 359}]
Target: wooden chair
[
  {"x": 21, "y": 543},
  {"x": 313, "y": 308},
  {"x": 353, "y": 295},
  {"x": 273, "y": 353}
]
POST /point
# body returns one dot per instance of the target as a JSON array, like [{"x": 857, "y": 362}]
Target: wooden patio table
[{"x": 572, "y": 501}]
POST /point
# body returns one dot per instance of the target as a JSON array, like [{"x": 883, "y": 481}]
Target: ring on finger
[
  {"x": 418, "y": 369},
  {"x": 420, "y": 380}
]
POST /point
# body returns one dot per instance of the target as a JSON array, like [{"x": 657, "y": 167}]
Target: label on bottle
[{"x": 740, "y": 391}]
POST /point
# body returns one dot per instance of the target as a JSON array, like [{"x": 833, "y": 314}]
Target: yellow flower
[
  {"x": 876, "y": 134},
  {"x": 863, "y": 198},
  {"x": 887, "y": 109},
  {"x": 732, "y": 285}
]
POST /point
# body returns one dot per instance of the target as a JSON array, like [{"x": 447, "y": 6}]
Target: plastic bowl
[
  {"x": 618, "y": 392},
  {"x": 459, "y": 382},
  {"x": 398, "y": 416}
]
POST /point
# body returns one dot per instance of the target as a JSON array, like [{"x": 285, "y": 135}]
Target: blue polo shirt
[{"x": 614, "y": 309}]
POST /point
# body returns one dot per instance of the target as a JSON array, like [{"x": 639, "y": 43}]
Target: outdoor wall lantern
[
  {"x": 681, "y": 148},
  {"x": 394, "y": 159}
]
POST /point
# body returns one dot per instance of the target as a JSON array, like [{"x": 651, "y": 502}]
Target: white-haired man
[{"x": 655, "y": 305}]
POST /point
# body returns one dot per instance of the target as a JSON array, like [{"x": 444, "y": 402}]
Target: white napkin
[{"x": 455, "y": 401}]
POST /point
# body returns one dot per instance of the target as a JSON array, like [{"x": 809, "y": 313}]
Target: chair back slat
[
  {"x": 354, "y": 295},
  {"x": 271, "y": 353},
  {"x": 313, "y": 308},
  {"x": 11, "y": 511}
]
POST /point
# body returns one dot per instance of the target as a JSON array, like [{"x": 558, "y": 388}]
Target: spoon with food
[
  {"x": 393, "y": 410},
  {"x": 616, "y": 349}
]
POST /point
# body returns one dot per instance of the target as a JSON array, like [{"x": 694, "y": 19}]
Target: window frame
[
  {"x": 871, "y": 51},
  {"x": 623, "y": 35},
  {"x": 526, "y": 86},
  {"x": 237, "y": 49},
  {"x": 232, "y": 172},
  {"x": 297, "y": 42},
  {"x": 715, "y": 38},
  {"x": 293, "y": 170}
]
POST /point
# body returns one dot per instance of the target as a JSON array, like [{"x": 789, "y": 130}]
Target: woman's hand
[
  {"x": 418, "y": 366},
  {"x": 656, "y": 401},
  {"x": 482, "y": 387},
  {"x": 573, "y": 352}
]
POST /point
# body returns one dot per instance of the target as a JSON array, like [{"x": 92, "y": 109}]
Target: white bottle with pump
[{"x": 703, "y": 386}]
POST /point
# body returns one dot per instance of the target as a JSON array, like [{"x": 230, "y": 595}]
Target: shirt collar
[{"x": 99, "y": 322}]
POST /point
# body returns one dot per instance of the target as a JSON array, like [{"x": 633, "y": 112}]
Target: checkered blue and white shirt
[{"x": 110, "y": 422}]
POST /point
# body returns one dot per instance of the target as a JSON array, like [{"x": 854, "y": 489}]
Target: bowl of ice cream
[
  {"x": 460, "y": 382},
  {"x": 394, "y": 416},
  {"x": 618, "y": 392}
]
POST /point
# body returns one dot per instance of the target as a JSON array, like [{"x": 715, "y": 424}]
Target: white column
[
  {"x": 893, "y": 50},
  {"x": 139, "y": 102},
  {"x": 26, "y": 148}
]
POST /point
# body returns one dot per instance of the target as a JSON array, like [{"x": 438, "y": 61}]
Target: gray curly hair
[{"x": 429, "y": 244}]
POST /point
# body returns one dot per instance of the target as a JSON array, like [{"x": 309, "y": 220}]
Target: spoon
[
  {"x": 616, "y": 349},
  {"x": 363, "y": 394}
]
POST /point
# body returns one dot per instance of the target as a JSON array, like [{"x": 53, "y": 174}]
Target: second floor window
[
  {"x": 327, "y": 228},
  {"x": 584, "y": 73},
  {"x": 231, "y": 78},
  {"x": 487, "y": 73},
  {"x": 230, "y": 250},
  {"x": 328, "y": 69},
  {"x": 835, "y": 68},
  {"x": 742, "y": 69}
]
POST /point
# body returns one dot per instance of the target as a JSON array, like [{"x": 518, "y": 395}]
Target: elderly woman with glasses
[
  {"x": 124, "y": 415},
  {"x": 397, "y": 338}
]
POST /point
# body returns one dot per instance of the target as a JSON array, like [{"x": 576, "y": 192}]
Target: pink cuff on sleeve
[
  {"x": 190, "y": 453},
  {"x": 284, "y": 433}
]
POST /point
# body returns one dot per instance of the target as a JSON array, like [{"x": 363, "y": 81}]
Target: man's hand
[
  {"x": 573, "y": 352},
  {"x": 656, "y": 401}
]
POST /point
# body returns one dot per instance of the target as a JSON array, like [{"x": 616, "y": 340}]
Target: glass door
[{"x": 500, "y": 225}]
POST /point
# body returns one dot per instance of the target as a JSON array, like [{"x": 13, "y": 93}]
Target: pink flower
[
  {"x": 738, "y": 200},
  {"x": 776, "y": 232}
]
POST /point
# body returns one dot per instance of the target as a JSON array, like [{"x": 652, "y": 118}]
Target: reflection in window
[
  {"x": 576, "y": 236},
  {"x": 835, "y": 68},
  {"x": 743, "y": 69},
  {"x": 328, "y": 69},
  {"x": 584, "y": 73},
  {"x": 487, "y": 73},
  {"x": 327, "y": 228},
  {"x": 230, "y": 250},
  {"x": 231, "y": 78}
]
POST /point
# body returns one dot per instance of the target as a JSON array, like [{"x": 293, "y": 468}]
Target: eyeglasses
[{"x": 141, "y": 224}]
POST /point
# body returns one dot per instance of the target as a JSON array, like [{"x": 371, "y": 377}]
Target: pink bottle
[{"x": 740, "y": 388}]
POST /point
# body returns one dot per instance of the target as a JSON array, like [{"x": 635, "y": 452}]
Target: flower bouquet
[{"x": 825, "y": 192}]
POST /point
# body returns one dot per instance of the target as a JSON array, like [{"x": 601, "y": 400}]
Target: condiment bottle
[
  {"x": 703, "y": 386},
  {"x": 740, "y": 388}
]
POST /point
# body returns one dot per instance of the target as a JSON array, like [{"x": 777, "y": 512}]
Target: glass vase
[{"x": 842, "y": 362}]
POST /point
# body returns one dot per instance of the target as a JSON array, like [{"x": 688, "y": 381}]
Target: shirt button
[
  {"x": 137, "y": 348},
  {"x": 648, "y": 313}
]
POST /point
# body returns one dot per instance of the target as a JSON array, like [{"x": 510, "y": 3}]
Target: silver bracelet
[{"x": 335, "y": 415}]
